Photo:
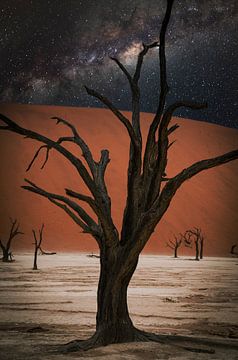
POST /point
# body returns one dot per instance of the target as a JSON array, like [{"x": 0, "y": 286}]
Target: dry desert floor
[{"x": 194, "y": 303}]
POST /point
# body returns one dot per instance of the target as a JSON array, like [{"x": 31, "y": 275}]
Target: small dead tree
[
  {"x": 201, "y": 245},
  {"x": 37, "y": 243},
  {"x": 149, "y": 193},
  {"x": 14, "y": 231},
  {"x": 175, "y": 244},
  {"x": 233, "y": 252},
  {"x": 195, "y": 236}
]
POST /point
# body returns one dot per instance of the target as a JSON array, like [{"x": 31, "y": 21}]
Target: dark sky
[{"x": 50, "y": 49}]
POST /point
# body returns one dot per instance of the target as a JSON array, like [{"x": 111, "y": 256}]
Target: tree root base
[
  {"x": 98, "y": 339},
  {"x": 186, "y": 343}
]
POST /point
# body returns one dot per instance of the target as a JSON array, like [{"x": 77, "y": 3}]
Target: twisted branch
[
  {"x": 118, "y": 114},
  {"x": 163, "y": 89},
  {"x": 76, "y": 162},
  {"x": 163, "y": 200},
  {"x": 80, "y": 142},
  {"x": 91, "y": 224}
]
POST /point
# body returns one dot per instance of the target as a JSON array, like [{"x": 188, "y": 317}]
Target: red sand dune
[{"x": 209, "y": 201}]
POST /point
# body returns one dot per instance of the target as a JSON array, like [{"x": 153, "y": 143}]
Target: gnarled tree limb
[
  {"x": 79, "y": 141},
  {"x": 73, "y": 216},
  {"x": 169, "y": 190},
  {"x": 76, "y": 162},
  {"x": 163, "y": 146},
  {"x": 74, "y": 206},
  {"x": 118, "y": 114},
  {"x": 96, "y": 185},
  {"x": 163, "y": 90}
]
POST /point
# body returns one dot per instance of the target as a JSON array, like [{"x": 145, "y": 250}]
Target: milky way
[{"x": 50, "y": 49}]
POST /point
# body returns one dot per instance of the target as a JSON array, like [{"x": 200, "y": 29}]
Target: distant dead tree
[
  {"x": 38, "y": 248},
  {"x": 149, "y": 193},
  {"x": 175, "y": 244},
  {"x": 37, "y": 243},
  {"x": 201, "y": 245},
  {"x": 14, "y": 231},
  {"x": 195, "y": 236},
  {"x": 233, "y": 252}
]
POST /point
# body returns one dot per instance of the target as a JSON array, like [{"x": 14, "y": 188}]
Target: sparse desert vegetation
[
  {"x": 7, "y": 255},
  {"x": 149, "y": 193},
  {"x": 57, "y": 304}
]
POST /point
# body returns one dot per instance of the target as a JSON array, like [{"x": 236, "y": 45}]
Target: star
[{"x": 49, "y": 50}]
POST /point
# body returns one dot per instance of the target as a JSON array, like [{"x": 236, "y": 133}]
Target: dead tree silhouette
[
  {"x": 201, "y": 245},
  {"x": 14, "y": 231},
  {"x": 233, "y": 252},
  {"x": 37, "y": 243},
  {"x": 175, "y": 244},
  {"x": 149, "y": 194},
  {"x": 40, "y": 251},
  {"x": 195, "y": 236}
]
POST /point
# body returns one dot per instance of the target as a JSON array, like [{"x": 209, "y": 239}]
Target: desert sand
[
  {"x": 209, "y": 201},
  {"x": 196, "y": 302}
]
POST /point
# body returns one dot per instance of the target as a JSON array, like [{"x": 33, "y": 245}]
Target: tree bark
[
  {"x": 197, "y": 250},
  {"x": 201, "y": 248},
  {"x": 5, "y": 257},
  {"x": 176, "y": 252},
  {"x": 35, "y": 259},
  {"x": 113, "y": 323}
]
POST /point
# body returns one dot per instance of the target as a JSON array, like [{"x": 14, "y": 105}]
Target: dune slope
[{"x": 209, "y": 201}]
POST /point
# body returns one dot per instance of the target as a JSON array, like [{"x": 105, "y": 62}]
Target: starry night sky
[{"x": 50, "y": 49}]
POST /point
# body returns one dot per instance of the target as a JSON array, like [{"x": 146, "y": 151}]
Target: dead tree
[
  {"x": 14, "y": 231},
  {"x": 149, "y": 193},
  {"x": 195, "y": 235},
  {"x": 37, "y": 244},
  {"x": 233, "y": 252},
  {"x": 175, "y": 244},
  {"x": 201, "y": 245}
]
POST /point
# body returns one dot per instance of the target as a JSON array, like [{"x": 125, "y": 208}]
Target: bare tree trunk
[
  {"x": 35, "y": 259},
  {"x": 4, "y": 252},
  {"x": 37, "y": 244},
  {"x": 113, "y": 323},
  {"x": 5, "y": 257},
  {"x": 233, "y": 252},
  {"x": 201, "y": 248},
  {"x": 176, "y": 251},
  {"x": 197, "y": 250}
]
